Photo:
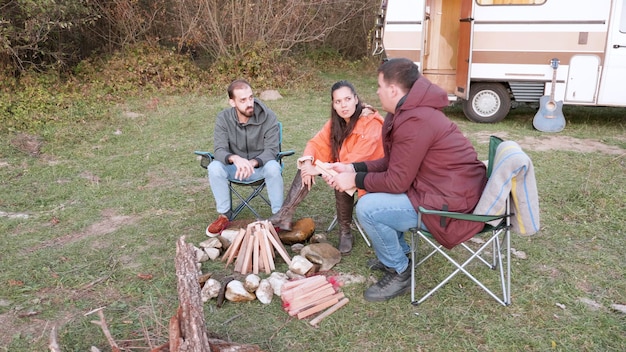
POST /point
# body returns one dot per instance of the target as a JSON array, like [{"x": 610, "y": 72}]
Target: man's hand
[
  {"x": 342, "y": 181},
  {"x": 341, "y": 167},
  {"x": 245, "y": 167}
]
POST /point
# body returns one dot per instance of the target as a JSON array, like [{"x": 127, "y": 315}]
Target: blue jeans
[
  {"x": 219, "y": 174},
  {"x": 385, "y": 217}
]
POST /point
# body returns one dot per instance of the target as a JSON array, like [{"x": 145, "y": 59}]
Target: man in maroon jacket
[{"x": 428, "y": 162}]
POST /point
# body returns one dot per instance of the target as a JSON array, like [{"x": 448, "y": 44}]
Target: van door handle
[
  {"x": 466, "y": 19},
  {"x": 617, "y": 46}
]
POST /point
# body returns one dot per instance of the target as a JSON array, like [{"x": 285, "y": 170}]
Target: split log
[
  {"x": 329, "y": 311},
  {"x": 296, "y": 307},
  {"x": 324, "y": 169},
  {"x": 193, "y": 335},
  {"x": 319, "y": 307},
  {"x": 234, "y": 247}
]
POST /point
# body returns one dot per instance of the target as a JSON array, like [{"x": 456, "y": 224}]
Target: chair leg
[
  {"x": 505, "y": 280},
  {"x": 245, "y": 202}
]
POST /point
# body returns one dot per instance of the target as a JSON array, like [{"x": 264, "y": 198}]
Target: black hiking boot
[
  {"x": 376, "y": 264},
  {"x": 389, "y": 286}
]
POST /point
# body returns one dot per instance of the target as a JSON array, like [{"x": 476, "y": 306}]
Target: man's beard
[{"x": 249, "y": 112}]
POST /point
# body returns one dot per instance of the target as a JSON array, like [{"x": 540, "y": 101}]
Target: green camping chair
[
  {"x": 256, "y": 186},
  {"x": 495, "y": 234}
]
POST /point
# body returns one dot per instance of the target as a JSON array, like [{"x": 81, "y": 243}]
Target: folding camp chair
[
  {"x": 495, "y": 234},
  {"x": 257, "y": 186}
]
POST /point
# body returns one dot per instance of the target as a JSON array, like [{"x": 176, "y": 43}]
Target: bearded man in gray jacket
[{"x": 246, "y": 140}]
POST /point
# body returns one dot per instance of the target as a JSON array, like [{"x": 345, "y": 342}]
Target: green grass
[{"x": 107, "y": 200}]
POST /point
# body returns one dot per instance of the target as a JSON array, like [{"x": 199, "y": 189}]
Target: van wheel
[{"x": 487, "y": 103}]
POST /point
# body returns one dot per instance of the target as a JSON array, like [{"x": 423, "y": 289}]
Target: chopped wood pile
[
  {"x": 254, "y": 247},
  {"x": 306, "y": 297}
]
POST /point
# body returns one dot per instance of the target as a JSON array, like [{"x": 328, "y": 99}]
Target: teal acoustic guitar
[{"x": 549, "y": 117}]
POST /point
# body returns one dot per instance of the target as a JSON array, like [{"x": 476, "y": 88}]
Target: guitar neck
[{"x": 553, "y": 85}]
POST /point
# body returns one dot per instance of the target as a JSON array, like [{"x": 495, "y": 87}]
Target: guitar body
[{"x": 549, "y": 117}]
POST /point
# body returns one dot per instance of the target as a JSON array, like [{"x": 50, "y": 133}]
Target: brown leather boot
[
  {"x": 283, "y": 217},
  {"x": 345, "y": 204}
]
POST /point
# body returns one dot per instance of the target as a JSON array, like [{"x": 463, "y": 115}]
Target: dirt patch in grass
[
  {"x": 109, "y": 223},
  {"x": 556, "y": 142}
]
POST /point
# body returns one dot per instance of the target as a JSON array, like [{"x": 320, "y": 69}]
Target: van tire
[{"x": 487, "y": 103}]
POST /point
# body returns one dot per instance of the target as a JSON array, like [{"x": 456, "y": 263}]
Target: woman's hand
[{"x": 308, "y": 173}]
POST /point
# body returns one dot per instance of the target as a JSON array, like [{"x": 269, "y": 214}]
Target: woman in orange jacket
[{"x": 353, "y": 133}]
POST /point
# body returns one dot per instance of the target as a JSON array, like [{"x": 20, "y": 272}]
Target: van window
[{"x": 510, "y": 2}]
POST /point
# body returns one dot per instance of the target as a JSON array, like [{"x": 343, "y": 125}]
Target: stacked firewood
[
  {"x": 255, "y": 247},
  {"x": 306, "y": 297}
]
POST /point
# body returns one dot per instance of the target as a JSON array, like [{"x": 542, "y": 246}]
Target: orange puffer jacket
[{"x": 364, "y": 143}]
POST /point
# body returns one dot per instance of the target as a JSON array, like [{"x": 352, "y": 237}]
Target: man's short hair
[
  {"x": 237, "y": 84},
  {"x": 400, "y": 71}
]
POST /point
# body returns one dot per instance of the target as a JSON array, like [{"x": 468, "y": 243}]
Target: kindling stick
[{"x": 314, "y": 322}]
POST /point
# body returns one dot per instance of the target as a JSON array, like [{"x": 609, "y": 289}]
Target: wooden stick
[
  {"x": 105, "y": 329},
  {"x": 281, "y": 250},
  {"x": 302, "y": 284},
  {"x": 297, "y": 306},
  {"x": 264, "y": 253},
  {"x": 329, "y": 311},
  {"x": 318, "y": 291},
  {"x": 241, "y": 256},
  {"x": 318, "y": 308},
  {"x": 255, "y": 252},
  {"x": 324, "y": 169},
  {"x": 247, "y": 261},
  {"x": 277, "y": 242},
  {"x": 269, "y": 250},
  {"x": 313, "y": 301},
  {"x": 268, "y": 244},
  {"x": 234, "y": 247}
]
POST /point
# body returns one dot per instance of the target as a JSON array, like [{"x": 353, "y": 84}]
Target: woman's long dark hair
[{"x": 339, "y": 129}]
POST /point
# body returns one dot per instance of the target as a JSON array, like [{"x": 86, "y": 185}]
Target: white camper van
[{"x": 491, "y": 52}]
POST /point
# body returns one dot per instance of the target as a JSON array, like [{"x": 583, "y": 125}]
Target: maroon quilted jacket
[{"x": 428, "y": 158}]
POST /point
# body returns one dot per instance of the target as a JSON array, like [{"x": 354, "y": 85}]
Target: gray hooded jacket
[{"x": 258, "y": 139}]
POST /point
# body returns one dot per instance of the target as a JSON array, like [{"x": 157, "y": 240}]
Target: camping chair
[
  {"x": 356, "y": 224},
  {"x": 496, "y": 234},
  {"x": 257, "y": 186}
]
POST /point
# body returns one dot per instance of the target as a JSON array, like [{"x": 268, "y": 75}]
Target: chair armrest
[
  {"x": 280, "y": 155},
  {"x": 205, "y": 158},
  {"x": 462, "y": 216}
]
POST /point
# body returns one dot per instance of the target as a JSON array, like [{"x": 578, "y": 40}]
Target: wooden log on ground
[{"x": 193, "y": 332}]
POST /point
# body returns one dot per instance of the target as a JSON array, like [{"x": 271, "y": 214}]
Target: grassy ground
[{"x": 99, "y": 209}]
